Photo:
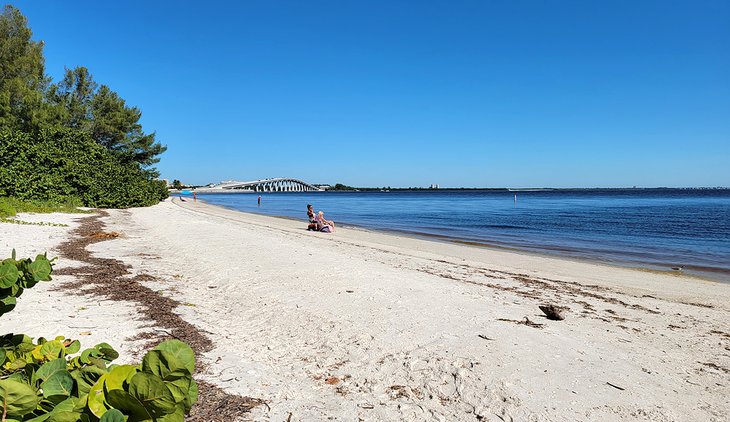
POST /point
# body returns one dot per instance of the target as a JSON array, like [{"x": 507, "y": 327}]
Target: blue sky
[{"x": 469, "y": 93}]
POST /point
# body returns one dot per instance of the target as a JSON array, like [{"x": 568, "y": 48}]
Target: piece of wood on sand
[{"x": 555, "y": 313}]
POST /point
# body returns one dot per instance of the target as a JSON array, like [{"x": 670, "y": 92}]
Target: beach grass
[{"x": 10, "y": 207}]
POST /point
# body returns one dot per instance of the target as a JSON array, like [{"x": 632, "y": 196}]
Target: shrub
[
  {"x": 44, "y": 381},
  {"x": 60, "y": 165}
]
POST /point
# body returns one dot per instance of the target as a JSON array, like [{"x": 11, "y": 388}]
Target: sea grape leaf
[
  {"x": 73, "y": 347},
  {"x": 152, "y": 393},
  {"x": 52, "y": 349},
  {"x": 95, "y": 400},
  {"x": 192, "y": 397},
  {"x": 16, "y": 365},
  {"x": 86, "y": 377},
  {"x": 65, "y": 411},
  {"x": 179, "y": 388},
  {"x": 40, "y": 269},
  {"x": 113, "y": 415},
  {"x": 181, "y": 351},
  {"x": 7, "y": 304},
  {"x": 107, "y": 352},
  {"x": 116, "y": 377},
  {"x": 176, "y": 416},
  {"x": 122, "y": 400},
  {"x": 68, "y": 405},
  {"x": 64, "y": 417},
  {"x": 59, "y": 383},
  {"x": 19, "y": 398},
  {"x": 8, "y": 274},
  {"x": 16, "y": 290},
  {"x": 163, "y": 364},
  {"x": 48, "y": 369}
]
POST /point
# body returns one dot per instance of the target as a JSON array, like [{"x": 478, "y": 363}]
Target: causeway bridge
[{"x": 278, "y": 184}]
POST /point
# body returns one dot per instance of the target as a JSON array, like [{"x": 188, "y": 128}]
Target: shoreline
[
  {"x": 673, "y": 282},
  {"x": 710, "y": 274}
]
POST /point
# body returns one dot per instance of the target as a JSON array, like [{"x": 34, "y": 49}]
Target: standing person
[
  {"x": 195, "y": 197},
  {"x": 259, "y": 200}
]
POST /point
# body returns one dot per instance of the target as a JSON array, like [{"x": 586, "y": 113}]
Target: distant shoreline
[{"x": 204, "y": 190}]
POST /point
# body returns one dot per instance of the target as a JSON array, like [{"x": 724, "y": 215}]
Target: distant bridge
[{"x": 279, "y": 184}]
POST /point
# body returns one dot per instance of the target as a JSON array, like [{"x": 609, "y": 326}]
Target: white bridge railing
[{"x": 280, "y": 184}]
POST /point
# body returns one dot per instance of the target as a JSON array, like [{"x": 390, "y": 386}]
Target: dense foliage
[
  {"x": 71, "y": 139},
  {"x": 44, "y": 381},
  {"x": 18, "y": 275},
  {"x": 60, "y": 164},
  {"x": 9, "y": 207}
]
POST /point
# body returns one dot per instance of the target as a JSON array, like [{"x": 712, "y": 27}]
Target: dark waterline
[{"x": 655, "y": 229}]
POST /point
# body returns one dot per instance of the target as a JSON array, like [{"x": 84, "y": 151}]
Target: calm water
[{"x": 648, "y": 228}]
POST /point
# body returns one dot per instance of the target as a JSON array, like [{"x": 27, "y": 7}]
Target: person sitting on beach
[
  {"x": 327, "y": 226},
  {"x": 312, "y": 218}
]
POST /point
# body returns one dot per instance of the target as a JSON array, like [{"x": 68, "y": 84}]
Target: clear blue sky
[{"x": 373, "y": 93}]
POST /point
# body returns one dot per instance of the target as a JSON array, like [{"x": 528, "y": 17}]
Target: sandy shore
[{"x": 358, "y": 325}]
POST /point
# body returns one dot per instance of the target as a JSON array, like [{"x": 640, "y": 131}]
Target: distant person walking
[
  {"x": 259, "y": 200},
  {"x": 195, "y": 197}
]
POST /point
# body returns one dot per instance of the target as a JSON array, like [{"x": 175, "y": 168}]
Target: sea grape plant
[
  {"x": 54, "y": 381},
  {"x": 42, "y": 382},
  {"x": 18, "y": 275}
]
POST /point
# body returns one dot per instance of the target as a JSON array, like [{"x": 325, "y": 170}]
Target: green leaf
[
  {"x": 181, "y": 351},
  {"x": 86, "y": 377},
  {"x": 48, "y": 369},
  {"x": 58, "y": 384},
  {"x": 40, "y": 269},
  {"x": 107, "y": 352},
  {"x": 117, "y": 376},
  {"x": 8, "y": 274},
  {"x": 113, "y": 415},
  {"x": 7, "y": 304},
  {"x": 164, "y": 364},
  {"x": 122, "y": 400},
  {"x": 52, "y": 349},
  {"x": 177, "y": 416},
  {"x": 17, "y": 364},
  {"x": 152, "y": 393},
  {"x": 179, "y": 388},
  {"x": 95, "y": 399},
  {"x": 64, "y": 417},
  {"x": 192, "y": 397},
  {"x": 19, "y": 398},
  {"x": 65, "y": 411},
  {"x": 74, "y": 347}
]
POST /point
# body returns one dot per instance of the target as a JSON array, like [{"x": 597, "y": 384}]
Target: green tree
[
  {"x": 102, "y": 113},
  {"x": 22, "y": 74},
  {"x": 116, "y": 126},
  {"x": 72, "y": 96},
  {"x": 176, "y": 184}
]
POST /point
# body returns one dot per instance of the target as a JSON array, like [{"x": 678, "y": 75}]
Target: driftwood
[
  {"x": 556, "y": 313},
  {"x": 525, "y": 321}
]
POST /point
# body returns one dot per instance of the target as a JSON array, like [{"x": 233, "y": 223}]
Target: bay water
[{"x": 648, "y": 228}]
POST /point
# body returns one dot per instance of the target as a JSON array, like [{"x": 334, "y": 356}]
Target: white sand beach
[{"x": 359, "y": 325}]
